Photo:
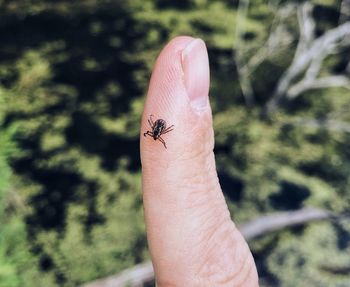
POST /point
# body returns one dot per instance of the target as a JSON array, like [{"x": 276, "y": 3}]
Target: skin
[{"x": 192, "y": 239}]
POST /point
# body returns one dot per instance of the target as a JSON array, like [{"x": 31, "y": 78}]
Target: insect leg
[
  {"x": 168, "y": 129},
  {"x": 148, "y": 133},
  {"x": 162, "y": 141}
]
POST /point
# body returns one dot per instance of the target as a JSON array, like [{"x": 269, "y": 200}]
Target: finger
[{"x": 192, "y": 239}]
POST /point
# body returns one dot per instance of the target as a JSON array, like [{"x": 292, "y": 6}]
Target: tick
[{"x": 158, "y": 128}]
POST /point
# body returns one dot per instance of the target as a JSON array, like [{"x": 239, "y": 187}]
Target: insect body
[{"x": 158, "y": 129}]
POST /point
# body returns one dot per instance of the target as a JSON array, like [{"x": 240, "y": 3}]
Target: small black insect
[{"x": 158, "y": 128}]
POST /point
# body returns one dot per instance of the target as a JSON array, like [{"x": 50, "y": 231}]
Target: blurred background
[{"x": 73, "y": 76}]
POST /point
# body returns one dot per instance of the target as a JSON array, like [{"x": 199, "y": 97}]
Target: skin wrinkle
[
  {"x": 197, "y": 208},
  {"x": 210, "y": 226},
  {"x": 184, "y": 158},
  {"x": 203, "y": 238},
  {"x": 218, "y": 222},
  {"x": 188, "y": 156},
  {"x": 200, "y": 196},
  {"x": 245, "y": 264},
  {"x": 201, "y": 165},
  {"x": 247, "y": 274},
  {"x": 198, "y": 144},
  {"x": 190, "y": 183},
  {"x": 194, "y": 197},
  {"x": 220, "y": 236},
  {"x": 233, "y": 273}
]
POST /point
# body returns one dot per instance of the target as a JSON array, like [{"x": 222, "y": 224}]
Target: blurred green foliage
[{"x": 72, "y": 79}]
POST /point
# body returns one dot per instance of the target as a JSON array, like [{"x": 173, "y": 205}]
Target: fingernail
[{"x": 195, "y": 65}]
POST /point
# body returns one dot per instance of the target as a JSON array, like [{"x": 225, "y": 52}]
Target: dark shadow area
[
  {"x": 50, "y": 204},
  {"x": 231, "y": 187},
  {"x": 289, "y": 197},
  {"x": 85, "y": 133},
  {"x": 343, "y": 236},
  {"x": 149, "y": 284},
  {"x": 227, "y": 92},
  {"x": 328, "y": 171},
  {"x": 326, "y": 13},
  {"x": 179, "y": 5},
  {"x": 260, "y": 260}
]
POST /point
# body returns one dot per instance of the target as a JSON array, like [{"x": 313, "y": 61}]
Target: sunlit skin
[{"x": 192, "y": 239}]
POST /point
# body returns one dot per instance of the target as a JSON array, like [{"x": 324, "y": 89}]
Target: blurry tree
[
  {"x": 295, "y": 138},
  {"x": 69, "y": 89},
  {"x": 16, "y": 260}
]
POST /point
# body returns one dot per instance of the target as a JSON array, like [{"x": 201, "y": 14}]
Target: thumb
[{"x": 192, "y": 240}]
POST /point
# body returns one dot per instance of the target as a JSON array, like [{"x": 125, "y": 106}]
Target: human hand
[{"x": 191, "y": 237}]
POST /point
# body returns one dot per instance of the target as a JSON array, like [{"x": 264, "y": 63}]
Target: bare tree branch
[
  {"x": 143, "y": 273},
  {"x": 135, "y": 276},
  {"x": 278, "y": 37},
  {"x": 344, "y": 11},
  {"x": 310, "y": 60},
  {"x": 306, "y": 27},
  {"x": 325, "y": 82},
  {"x": 314, "y": 68},
  {"x": 303, "y": 73},
  {"x": 243, "y": 72},
  {"x": 277, "y": 221}
]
